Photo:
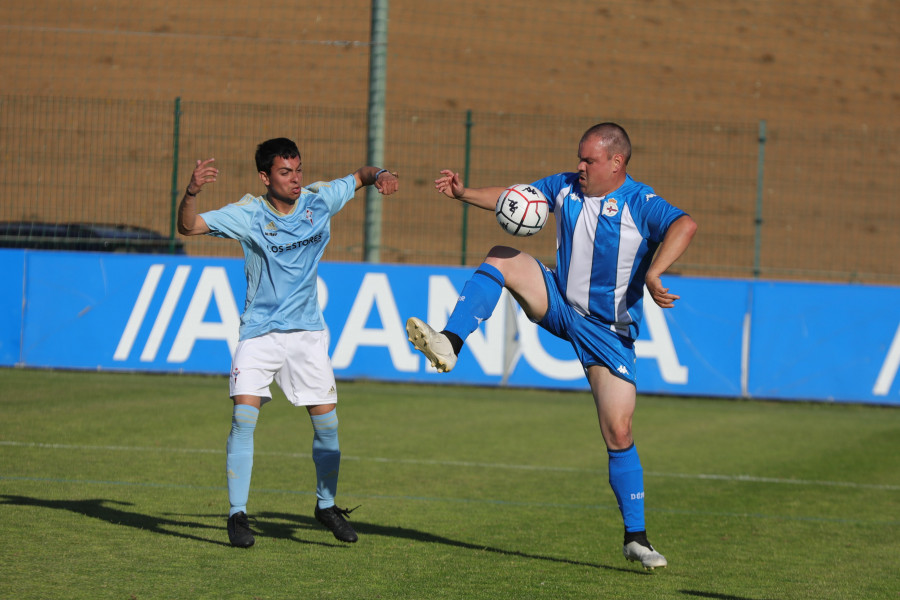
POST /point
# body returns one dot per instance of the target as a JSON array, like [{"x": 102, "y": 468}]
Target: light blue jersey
[
  {"x": 605, "y": 246},
  {"x": 281, "y": 254}
]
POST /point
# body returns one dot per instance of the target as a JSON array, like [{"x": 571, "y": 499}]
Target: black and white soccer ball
[{"x": 522, "y": 210}]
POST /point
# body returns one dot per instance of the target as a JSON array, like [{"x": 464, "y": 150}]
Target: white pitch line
[
  {"x": 755, "y": 479},
  {"x": 459, "y": 463}
]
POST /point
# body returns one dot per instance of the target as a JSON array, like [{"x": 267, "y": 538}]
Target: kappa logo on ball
[{"x": 522, "y": 210}]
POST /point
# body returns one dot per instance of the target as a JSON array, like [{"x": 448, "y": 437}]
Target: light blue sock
[
  {"x": 479, "y": 296},
  {"x": 326, "y": 454},
  {"x": 626, "y": 477},
  {"x": 239, "y": 456}
]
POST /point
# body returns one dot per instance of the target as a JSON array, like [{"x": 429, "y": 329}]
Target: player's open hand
[
  {"x": 205, "y": 172},
  {"x": 660, "y": 294},
  {"x": 449, "y": 184}
]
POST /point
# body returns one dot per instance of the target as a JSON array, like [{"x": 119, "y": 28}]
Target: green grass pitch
[{"x": 112, "y": 486}]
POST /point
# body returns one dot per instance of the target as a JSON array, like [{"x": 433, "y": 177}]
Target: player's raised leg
[
  {"x": 475, "y": 304},
  {"x": 503, "y": 267}
]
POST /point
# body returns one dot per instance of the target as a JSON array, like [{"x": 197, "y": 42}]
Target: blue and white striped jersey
[
  {"x": 605, "y": 246},
  {"x": 281, "y": 254}
]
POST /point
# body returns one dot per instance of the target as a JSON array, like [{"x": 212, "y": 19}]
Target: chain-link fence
[{"x": 776, "y": 202}]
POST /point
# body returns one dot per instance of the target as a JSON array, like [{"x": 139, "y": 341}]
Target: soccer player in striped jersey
[
  {"x": 282, "y": 333},
  {"x": 614, "y": 236}
]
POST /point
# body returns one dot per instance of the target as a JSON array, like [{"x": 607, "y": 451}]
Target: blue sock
[
  {"x": 326, "y": 454},
  {"x": 479, "y": 296},
  {"x": 239, "y": 456},
  {"x": 626, "y": 477}
]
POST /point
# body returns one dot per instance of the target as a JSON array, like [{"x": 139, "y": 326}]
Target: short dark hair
[
  {"x": 614, "y": 137},
  {"x": 268, "y": 151}
]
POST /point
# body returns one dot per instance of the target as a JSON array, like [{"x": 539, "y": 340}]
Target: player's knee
[
  {"x": 618, "y": 437},
  {"x": 498, "y": 254}
]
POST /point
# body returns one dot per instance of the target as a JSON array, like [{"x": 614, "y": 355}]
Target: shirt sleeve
[
  {"x": 335, "y": 193},
  {"x": 657, "y": 215},
  {"x": 231, "y": 221},
  {"x": 552, "y": 185}
]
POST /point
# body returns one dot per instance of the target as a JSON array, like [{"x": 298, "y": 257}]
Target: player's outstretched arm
[
  {"x": 189, "y": 222},
  {"x": 450, "y": 184},
  {"x": 677, "y": 239}
]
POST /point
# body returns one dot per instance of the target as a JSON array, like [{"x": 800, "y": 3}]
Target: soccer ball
[{"x": 522, "y": 210}]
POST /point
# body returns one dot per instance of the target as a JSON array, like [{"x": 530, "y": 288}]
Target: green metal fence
[{"x": 772, "y": 202}]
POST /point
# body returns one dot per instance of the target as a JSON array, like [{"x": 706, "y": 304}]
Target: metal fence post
[{"x": 375, "y": 149}]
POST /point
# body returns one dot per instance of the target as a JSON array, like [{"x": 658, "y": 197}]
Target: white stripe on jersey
[
  {"x": 578, "y": 282},
  {"x": 630, "y": 240}
]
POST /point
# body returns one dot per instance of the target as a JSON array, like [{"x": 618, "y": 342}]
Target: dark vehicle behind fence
[{"x": 87, "y": 237}]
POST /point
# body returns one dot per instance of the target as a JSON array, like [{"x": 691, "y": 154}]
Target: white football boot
[
  {"x": 650, "y": 558},
  {"x": 433, "y": 344}
]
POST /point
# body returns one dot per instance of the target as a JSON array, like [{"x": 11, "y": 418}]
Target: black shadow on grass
[
  {"x": 102, "y": 509},
  {"x": 289, "y": 524},
  {"x": 712, "y": 595},
  {"x": 274, "y": 525}
]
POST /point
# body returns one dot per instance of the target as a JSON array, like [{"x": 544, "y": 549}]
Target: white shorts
[{"x": 297, "y": 360}]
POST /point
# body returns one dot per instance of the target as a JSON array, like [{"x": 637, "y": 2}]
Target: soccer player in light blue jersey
[
  {"x": 282, "y": 333},
  {"x": 614, "y": 236}
]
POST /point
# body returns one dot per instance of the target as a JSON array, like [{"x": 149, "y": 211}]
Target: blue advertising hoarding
[
  {"x": 825, "y": 342},
  {"x": 728, "y": 338},
  {"x": 12, "y": 265}
]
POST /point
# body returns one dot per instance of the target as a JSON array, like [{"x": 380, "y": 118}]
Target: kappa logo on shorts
[{"x": 622, "y": 369}]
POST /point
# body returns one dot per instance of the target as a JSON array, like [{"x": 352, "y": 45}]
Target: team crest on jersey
[
  {"x": 309, "y": 214},
  {"x": 610, "y": 208}
]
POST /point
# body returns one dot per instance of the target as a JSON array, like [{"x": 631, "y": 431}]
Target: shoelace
[{"x": 345, "y": 512}]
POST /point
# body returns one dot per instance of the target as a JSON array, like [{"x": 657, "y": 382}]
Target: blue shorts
[{"x": 594, "y": 341}]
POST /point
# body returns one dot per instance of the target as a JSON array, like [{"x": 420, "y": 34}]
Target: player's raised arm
[
  {"x": 189, "y": 222},
  {"x": 450, "y": 184}
]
